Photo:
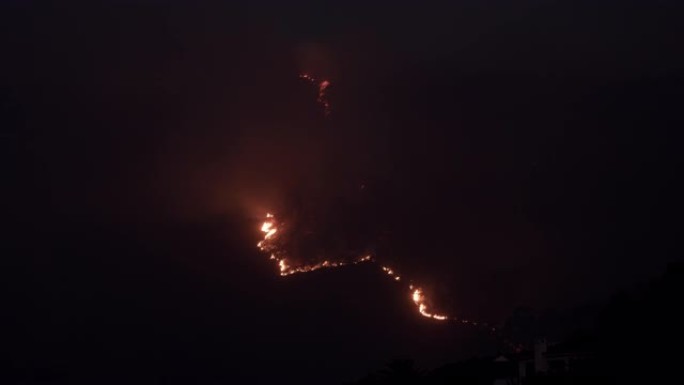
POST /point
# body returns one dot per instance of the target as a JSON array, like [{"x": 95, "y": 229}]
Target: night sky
[{"x": 502, "y": 153}]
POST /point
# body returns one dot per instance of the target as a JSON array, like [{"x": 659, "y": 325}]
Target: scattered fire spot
[{"x": 322, "y": 87}]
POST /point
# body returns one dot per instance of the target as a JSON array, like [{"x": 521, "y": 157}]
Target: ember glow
[
  {"x": 269, "y": 244},
  {"x": 322, "y": 87}
]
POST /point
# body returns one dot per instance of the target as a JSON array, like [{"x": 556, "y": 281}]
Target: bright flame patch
[{"x": 267, "y": 244}]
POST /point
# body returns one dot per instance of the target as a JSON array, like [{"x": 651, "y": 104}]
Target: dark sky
[{"x": 514, "y": 153}]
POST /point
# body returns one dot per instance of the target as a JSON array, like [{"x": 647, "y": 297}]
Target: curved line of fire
[{"x": 270, "y": 229}]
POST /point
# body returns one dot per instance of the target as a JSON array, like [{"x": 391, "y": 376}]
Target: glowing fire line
[
  {"x": 270, "y": 230},
  {"x": 267, "y": 244}
]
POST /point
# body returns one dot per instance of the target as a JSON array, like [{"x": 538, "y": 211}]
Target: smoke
[{"x": 187, "y": 114}]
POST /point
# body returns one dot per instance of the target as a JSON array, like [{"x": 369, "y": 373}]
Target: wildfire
[
  {"x": 268, "y": 228},
  {"x": 322, "y": 87},
  {"x": 419, "y": 299},
  {"x": 391, "y": 273},
  {"x": 268, "y": 244}
]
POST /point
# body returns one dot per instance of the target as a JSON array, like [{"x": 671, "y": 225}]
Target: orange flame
[
  {"x": 419, "y": 299},
  {"x": 270, "y": 229}
]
